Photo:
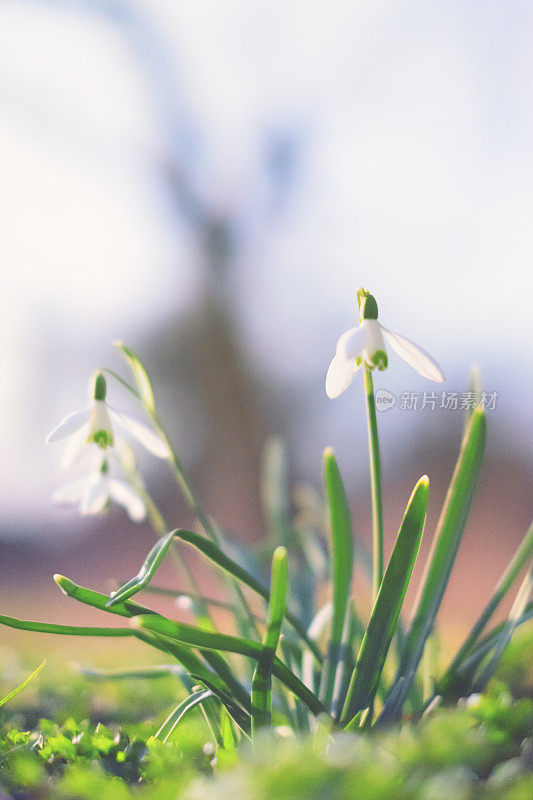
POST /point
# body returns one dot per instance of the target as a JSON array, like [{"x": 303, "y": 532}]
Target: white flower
[
  {"x": 93, "y": 492},
  {"x": 93, "y": 425},
  {"x": 366, "y": 344}
]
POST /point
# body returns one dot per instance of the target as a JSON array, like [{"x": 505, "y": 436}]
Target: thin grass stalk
[
  {"x": 445, "y": 544},
  {"x": 182, "y": 654},
  {"x": 519, "y": 559},
  {"x": 262, "y": 678},
  {"x": 380, "y": 630},
  {"x": 342, "y": 569},
  {"x": 188, "y": 634}
]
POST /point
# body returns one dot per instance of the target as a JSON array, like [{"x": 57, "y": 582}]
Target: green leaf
[
  {"x": 518, "y": 561},
  {"x": 239, "y": 715},
  {"x": 277, "y": 604},
  {"x": 188, "y": 634},
  {"x": 139, "y": 374},
  {"x": 209, "y": 549},
  {"x": 342, "y": 567},
  {"x": 179, "y": 712},
  {"x": 445, "y": 544},
  {"x": 129, "y": 609},
  {"x": 64, "y": 630},
  {"x": 380, "y": 630},
  {"x": 21, "y": 686},
  {"x": 522, "y": 598}
]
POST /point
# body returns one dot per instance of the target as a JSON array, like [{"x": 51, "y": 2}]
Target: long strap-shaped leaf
[
  {"x": 209, "y": 549},
  {"x": 183, "y": 654},
  {"x": 521, "y": 600},
  {"x": 519, "y": 559},
  {"x": 445, "y": 544},
  {"x": 241, "y": 716},
  {"x": 196, "y": 637},
  {"x": 380, "y": 630},
  {"x": 175, "y": 717},
  {"x": 342, "y": 568},
  {"x": 262, "y": 678},
  {"x": 64, "y": 630}
]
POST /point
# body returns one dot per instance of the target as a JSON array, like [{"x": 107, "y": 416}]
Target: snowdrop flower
[
  {"x": 93, "y": 493},
  {"x": 366, "y": 344},
  {"x": 93, "y": 425}
]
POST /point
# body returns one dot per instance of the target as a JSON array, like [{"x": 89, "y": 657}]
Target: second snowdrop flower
[
  {"x": 366, "y": 344},
  {"x": 93, "y": 493},
  {"x": 94, "y": 426}
]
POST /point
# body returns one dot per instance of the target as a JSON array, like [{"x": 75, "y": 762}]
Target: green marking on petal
[
  {"x": 380, "y": 360},
  {"x": 101, "y": 438}
]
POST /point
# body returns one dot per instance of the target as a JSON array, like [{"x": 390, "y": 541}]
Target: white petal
[
  {"x": 95, "y": 497},
  {"x": 352, "y": 341},
  {"x": 72, "y": 423},
  {"x": 418, "y": 358},
  {"x": 375, "y": 343},
  {"x": 142, "y": 432},
  {"x": 99, "y": 418},
  {"x": 125, "y": 496},
  {"x": 71, "y": 492},
  {"x": 341, "y": 373},
  {"x": 76, "y": 448}
]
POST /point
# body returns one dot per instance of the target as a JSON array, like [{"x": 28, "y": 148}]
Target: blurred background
[{"x": 211, "y": 182}]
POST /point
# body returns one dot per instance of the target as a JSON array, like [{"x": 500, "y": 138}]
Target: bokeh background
[{"x": 211, "y": 182}]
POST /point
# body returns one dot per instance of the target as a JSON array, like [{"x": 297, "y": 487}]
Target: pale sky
[{"x": 412, "y": 124}]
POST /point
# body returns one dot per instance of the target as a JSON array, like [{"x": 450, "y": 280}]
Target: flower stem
[{"x": 375, "y": 480}]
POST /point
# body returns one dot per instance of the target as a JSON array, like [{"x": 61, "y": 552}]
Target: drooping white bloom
[
  {"x": 93, "y": 426},
  {"x": 93, "y": 492},
  {"x": 366, "y": 344}
]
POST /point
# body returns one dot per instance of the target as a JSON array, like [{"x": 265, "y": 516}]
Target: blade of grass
[
  {"x": 342, "y": 568},
  {"x": 179, "y": 712},
  {"x": 209, "y": 549},
  {"x": 445, "y": 544},
  {"x": 262, "y": 678},
  {"x": 131, "y": 609},
  {"x": 21, "y": 686},
  {"x": 518, "y": 561},
  {"x": 239, "y": 715},
  {"x": 517, "y": 609},
  {"x": 380, "y": 630},
  {"x": 146, "y": 673},
  {"x": 64, "y": 630},
  {"x": 231, "y": 644}
]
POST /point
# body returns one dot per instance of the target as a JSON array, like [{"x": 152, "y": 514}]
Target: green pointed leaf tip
[
  {"x": 341, "y": 540},
  {"x": 140, "y": 376},
  {"x": 380, "y": 630},
  {"x": 279, "y": 586},
  {"x": 66, "y": 585}
]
